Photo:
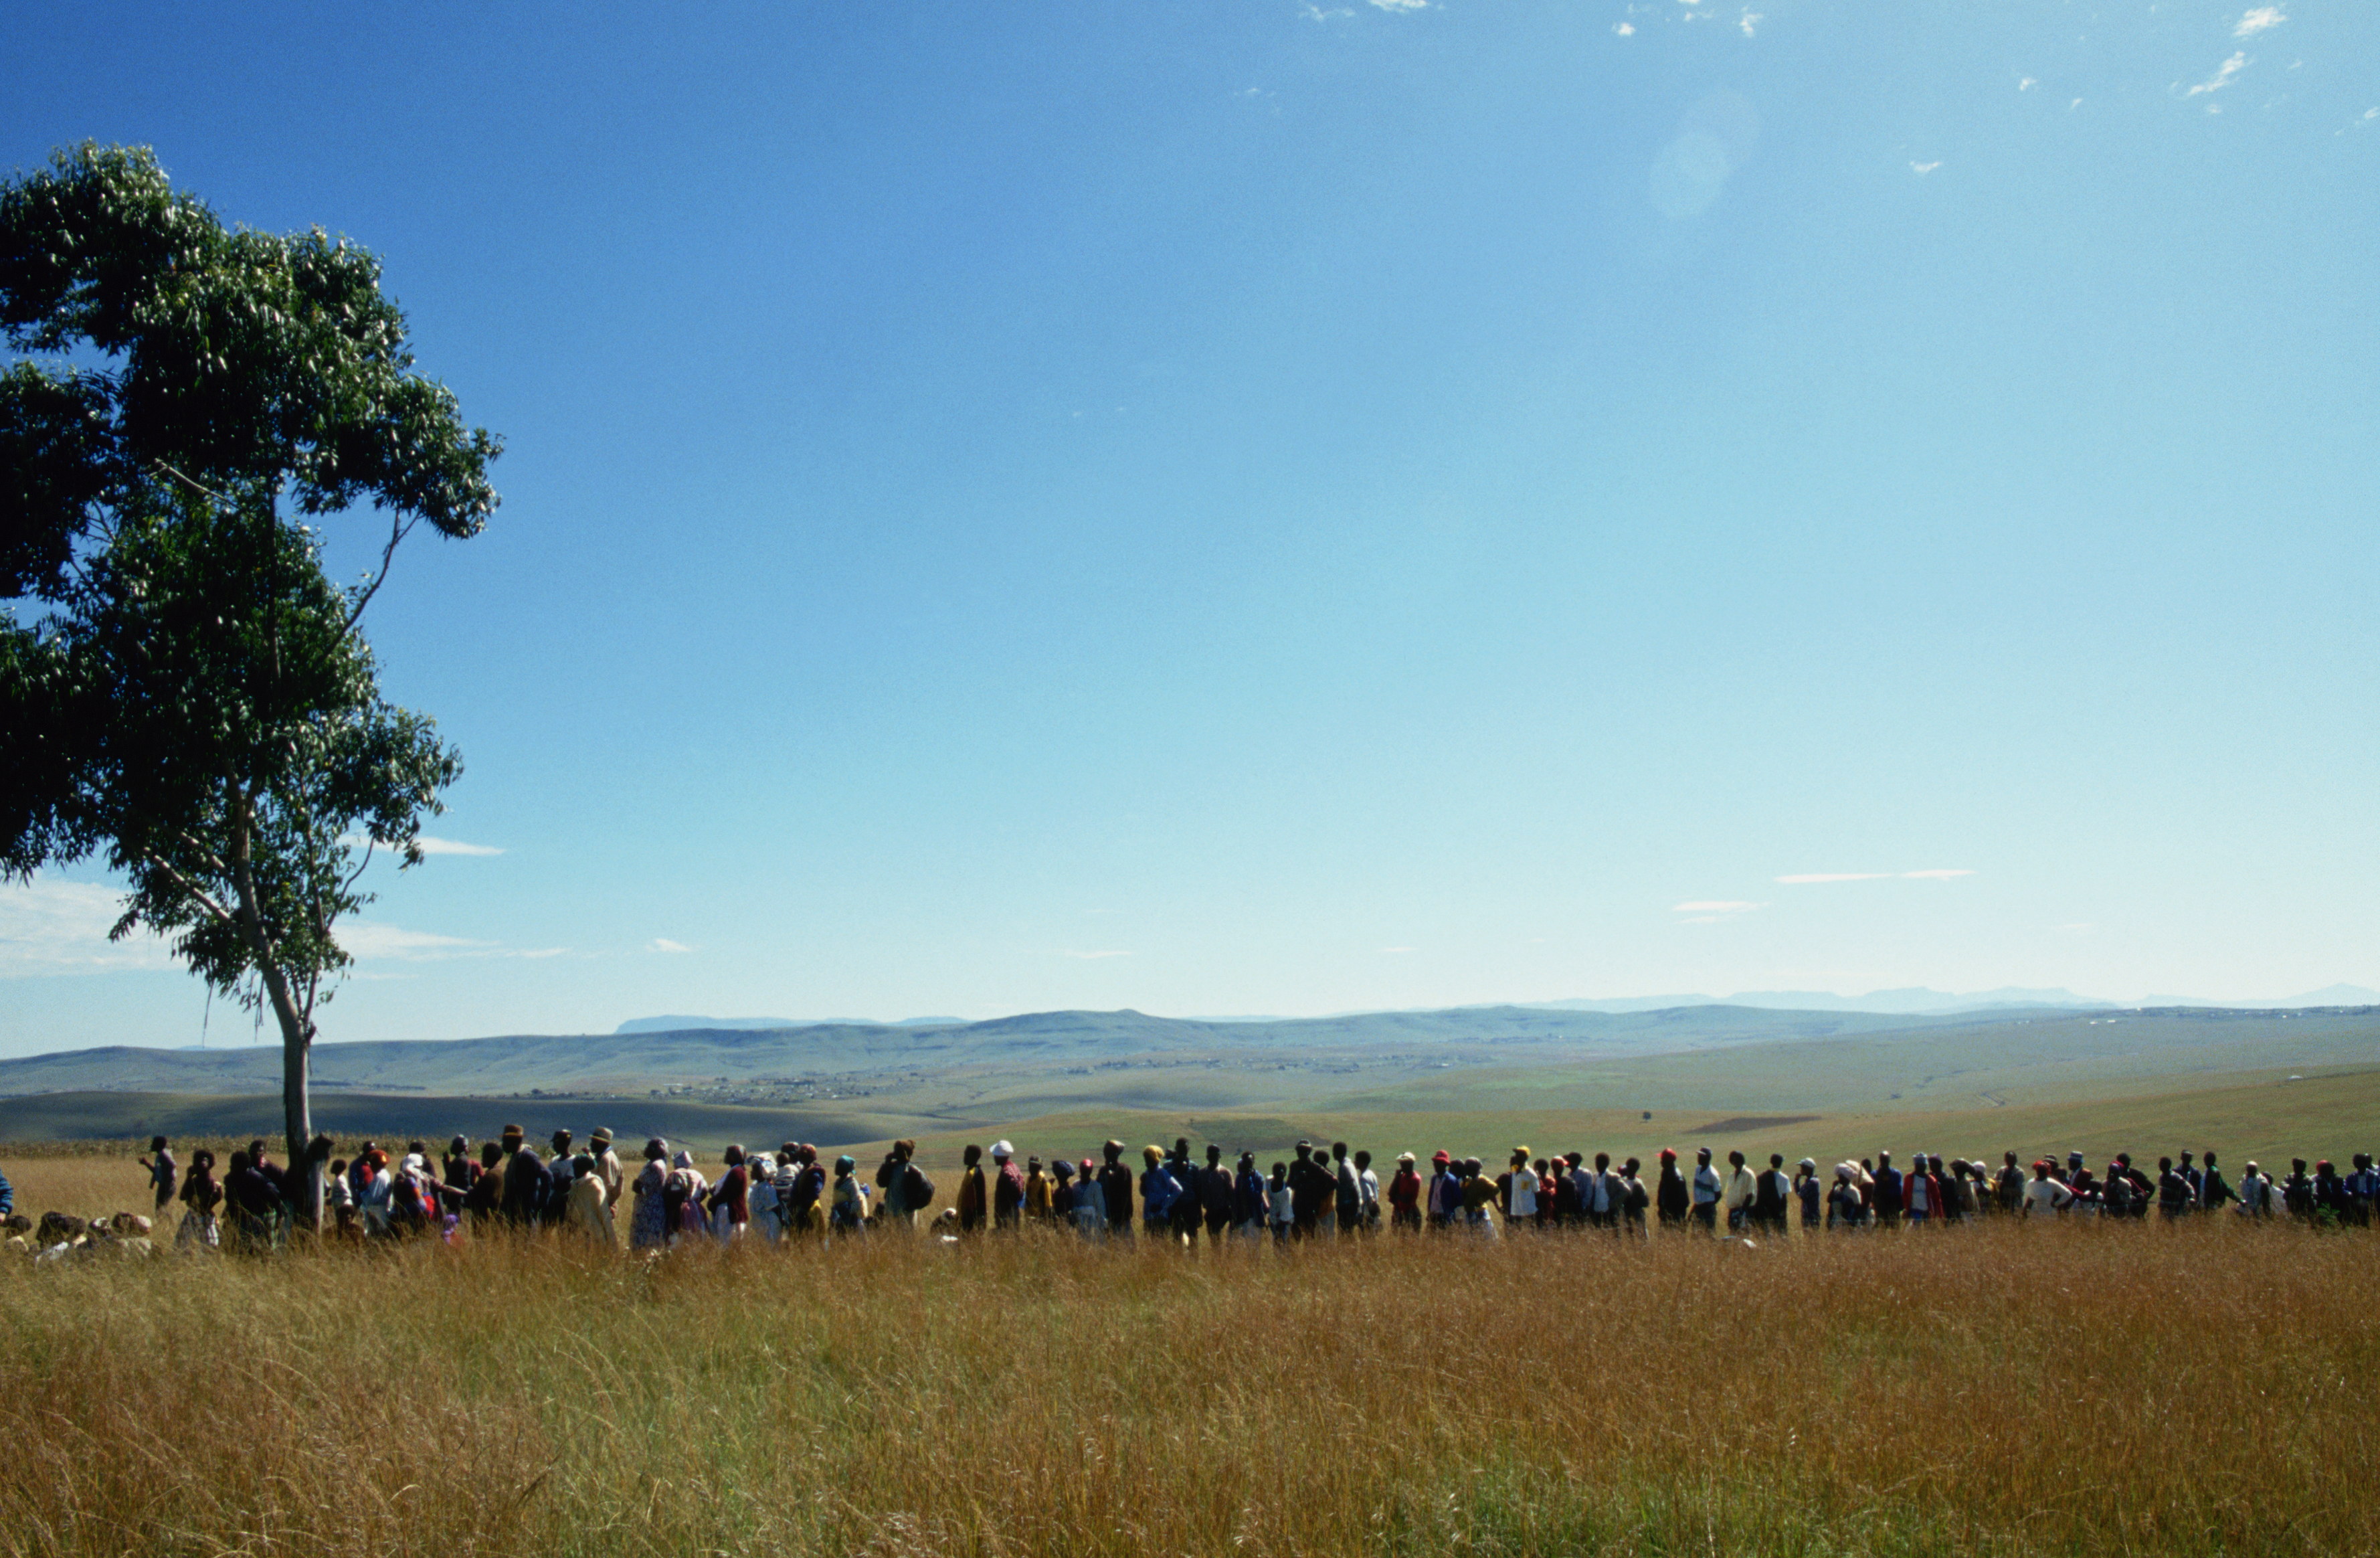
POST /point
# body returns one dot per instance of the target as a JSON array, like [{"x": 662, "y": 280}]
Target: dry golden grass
[{"x": 1996, "y": 1389}]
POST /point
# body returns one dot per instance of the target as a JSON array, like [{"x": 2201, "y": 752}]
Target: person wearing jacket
[
  {"x": 1039, "y": 1205},
  {"x": 1670, "y": 1199},
  {"x": 1312, "y": 1188},
  {"x": 587, "y": 1211},
  {"x": 2213, "y": 1189},
  {"x": 1091, "y": 1201},
  {"x": 2258, "y": 1196},
  {"x": 1215, "y": 1192},
  {"x": 1115, "y": 1190},
  {"x": 2175, "y": 1193},
  {"x": 1007, "y": 1188},
  {"x": 1159, "y": 1190},
  {"x": 1441, "y": 1202},
  {"x": 730, "y": 1201},
  {"x": 1885, "y": 1200},
  {"x": 1516, "y": 1191},
  {"x": 1347, "y": 1187},
  {"x": 847, "y": 1206}
]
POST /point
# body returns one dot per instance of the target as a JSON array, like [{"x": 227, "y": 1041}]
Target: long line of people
[{"x": 1172, "y": 1194}]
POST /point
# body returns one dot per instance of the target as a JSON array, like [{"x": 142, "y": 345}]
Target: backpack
[{"x": 917, "y": 1190}]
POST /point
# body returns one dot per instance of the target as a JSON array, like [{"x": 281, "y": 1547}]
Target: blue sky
[{"x": 1286, "y": 508}]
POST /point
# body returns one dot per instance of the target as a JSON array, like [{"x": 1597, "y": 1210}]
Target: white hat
[{"x": 1001, "y": 1149}]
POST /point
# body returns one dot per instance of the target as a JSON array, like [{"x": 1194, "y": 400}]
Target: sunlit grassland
[{"x": 1999, "y": 1389}]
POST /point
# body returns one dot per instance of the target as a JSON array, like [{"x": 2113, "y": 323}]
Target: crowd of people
[{"x": 1173, "y": 1194}]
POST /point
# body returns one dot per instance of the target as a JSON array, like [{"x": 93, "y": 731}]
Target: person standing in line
[
  {"x": 2197, "y": 1181},
  {"x": 1007, "y": 1187},
  {"x": 1346, "y": 1191},
  {"x": 1217, "y": 1195},
  {"x": 649, "y": 1221},
  {"x": 2046, "y": 1196},
  {"x": 1887, "y": 1195},
  {"x": 2361, "y": 1185},
  {"x": 1251, "y": 1199},
  {"x": 1367, "y": 1186},
  {"x": 1479, "y": 1199},
  {"x": 1062, "y": 1193},
  {"x": 1772, "y": 1192},
  {"x": 1807, "y": 1193},
  {"x": 1311, "y": 1189},
  {"x": 160, "y": 1164},
  {"x": 1709, "y": 1189},
  {"x": 2213, "y": 1189},
  {"x": 1115, "y": 1190},
  {"x": 587, "y": 1210},
  {"x": 1440, "y": 1198},
  {"x": 847, "y": 1199},
  {"x": 1091, "y": 1203},
  {"x": 1635, "y": 1198},
  {"x": 1040, "y": 1195},
  {"x": 1670, "y": 1199},
  {"x": 2008, "y": 1186},
  {"x": 730, "y": 1201},
  {"x": 1846, "y": 1206},
  {"x": 1404, "y": 1197},
  {"x": 1158, "y": 1193},
  {"x": 1280, "y": 1203},
  {"x": 2175, "y": 1197},
  {"x": 1185, "y": 1218},
  {"x": 459, "y": 1171},
  {"x": 2258, "y": 1199},
  {"x": 971, "y": 1199},
  {"x": 559, "y": 1169},
  {"x": 607, "y": 1164},
  {"x": 1517, "y": 1190}
]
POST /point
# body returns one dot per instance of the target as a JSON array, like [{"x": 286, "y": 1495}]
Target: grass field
[{"x": 1996, "y": 1389}]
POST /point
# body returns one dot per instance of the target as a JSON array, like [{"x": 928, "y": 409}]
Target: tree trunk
[{"x": 303, "y": 1184}]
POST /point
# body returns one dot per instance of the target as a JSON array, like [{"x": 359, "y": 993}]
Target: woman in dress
[{"x": 649, "y": 1223}]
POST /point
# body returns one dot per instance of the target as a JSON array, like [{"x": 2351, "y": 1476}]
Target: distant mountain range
[{"x": 757, "y": 1024}]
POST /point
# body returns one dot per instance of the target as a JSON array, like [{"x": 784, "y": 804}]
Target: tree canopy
[{"x": 193, "y": 697}]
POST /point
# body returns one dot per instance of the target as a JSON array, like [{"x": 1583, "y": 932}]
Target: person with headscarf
[
  {"x": 682, "y": 1194},
  {"x": 380, "y": 1184},
  {"x": 729, "y": 1203},
  {"x": 459, "y": 1172},
  {"x": 1007, "y": 1187},
  {"x": 1444, "y": 1197},
  {"x": 847, "y": 1212},
  {"x": 1846, "y": 1208},
  {"x": 1062, "y": 1193},
  {"x": 200, "y": 1194},
  {"x": 1479, "y": 1199},
  {"x": 1810, "y": 1193},
  {"x": 1669, "y": 1197},
  {"x": 587, "y": 1211},
  {"x": 2044, "y": 1197},
  {"x": 649, "y": 1223},
  {"x": 1404, "y": 1197}
]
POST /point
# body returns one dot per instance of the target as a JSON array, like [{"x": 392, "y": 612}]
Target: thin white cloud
[
  {"x": 49, "y": 926},
  {"x": 1316, "y": 13},
  {"x": 1937, "y": 874},
  {"x": 1807, "y": 877},
  {"x": 2261, "y": 19},
  {"x": 1071, "y": 953},
  {"x": 1401, "y": 5},
  {"x": 1624, "y": 29},
  {"x": 1923, "y": 168},
  {"x": 2026, "y": 83},
  {"x": 662, "y": 944},
  {"x": 1710, "y": 911},
  {"x": 371, "y": 939},
  {"x": 2222, "y": 77},
  {"x": 430, "y": 845},
  {"x": 1751, "y": 20}
]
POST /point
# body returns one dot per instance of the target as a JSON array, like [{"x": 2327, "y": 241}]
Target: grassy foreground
[{"x": 1996, "y": 1389}]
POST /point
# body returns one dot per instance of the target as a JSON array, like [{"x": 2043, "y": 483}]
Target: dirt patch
[{"x": 1749, "y": 1122}]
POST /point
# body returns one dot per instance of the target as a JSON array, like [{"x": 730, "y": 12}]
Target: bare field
[{"x": 1998, "y": 1389}]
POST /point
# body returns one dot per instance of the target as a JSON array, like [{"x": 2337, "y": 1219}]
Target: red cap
[{"x": 1439, "y": 1157}]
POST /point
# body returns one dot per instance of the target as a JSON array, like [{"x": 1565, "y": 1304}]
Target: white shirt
[
  {"x": 2045, "y": 1196},
  {"x": 1524, "y": 1192}
]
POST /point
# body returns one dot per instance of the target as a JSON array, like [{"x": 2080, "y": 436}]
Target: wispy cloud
[
  {"x": 1316, "y": 13},
  {"x": 372, "y": 938},
  {"x": 662, "y": 944},
  {"x": 2222, "y": 77},
  {"x": 1751, "y": 20},
  {"x": 2026, "y": 83},
  {"x": 1920, "y": 169},
  {"x": 1071, "y": 953},
  {"x": 1624, "y": 29},
  {"x": 53, "y": 927},
  {"x": 1937, "y": 874},
  {"x": 2261, "y": 19},
  {"x": 1709, "y": 911},
  {"x": 430, "y": 845},
  {"x": 1401, "y": 5}
]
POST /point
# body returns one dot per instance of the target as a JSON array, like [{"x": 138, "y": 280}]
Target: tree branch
[
  {"x": 194, "y": 890},
  {"x": 399, "y": 528}
]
